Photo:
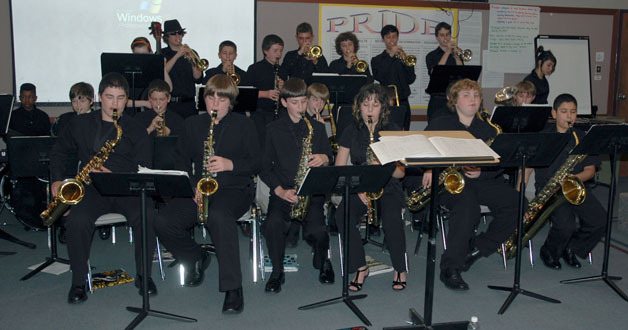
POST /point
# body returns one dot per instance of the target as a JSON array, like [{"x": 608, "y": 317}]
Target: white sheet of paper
[
  {"x": 453, "y": 147},
  {"x": 394, "y": 148}
]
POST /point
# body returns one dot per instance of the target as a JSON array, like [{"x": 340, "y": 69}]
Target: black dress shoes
[
  {"x": 453, "y": 280},
  {"x": 471, "y": 258},
  {"x": 326, "y": 275},
  {"x": 570, "y": 258},
  {"x": 77, "y": 294},
  {"x": 234, "y": 302},
  {"x": 275, "y": 281},
  {"x": 548, "y": 259},
  {"x": 195, "y": 273},
  {"x": 152, "y": 288}
]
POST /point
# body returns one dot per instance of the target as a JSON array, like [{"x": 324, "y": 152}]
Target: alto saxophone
[
  {"x": 371, "y": 159},
  {"x": 207, "y": 185},
  {"x": 160, "y": 130},
  {"x": 299, "y": 209},
  {"x": 72, "y": 191},
  {"x": 542, "y": 206}
]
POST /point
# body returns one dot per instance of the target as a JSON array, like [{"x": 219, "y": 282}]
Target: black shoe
[
  {"x": 275, "y": 281},
  {"x": 471, "y": 258},
  {"x": 62, "y": 238},
  {"x": 77, "y": 294},
  {"x": 194, "y": 274},
  {"x": 548, "y": 259},
  {"x": 234, "y": 302},
  {"x": 326, "y": 275},
  {"x": 570, "y": 258},
  {"x": 453, "y": 280},
  {"x": 152, "y": 288},
  {"x": 104, "y": 233}
]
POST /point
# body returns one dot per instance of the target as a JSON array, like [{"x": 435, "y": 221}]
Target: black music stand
[
  {"x": 611, "y": 139},
  {"x": 138, "y": 69},
  {"x": 165, "y": 152},
  {"x": 246, "y": 100},
  {"x": 144, "y": 185},
  {"x": 34, "y": 150},
  {"x": 443, "y": 75},
  {"x": 342, "y": 88},
  {"x": 346, "y": 180},
  {"x": 522, "y": 151},
  {"x": 521, "y": 119}
]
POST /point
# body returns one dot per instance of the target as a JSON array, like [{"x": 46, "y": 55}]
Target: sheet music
[
  {"x": 453, "y": 147},
  {"x": 394, "y": 148},
  {"x": 146, "y": 170}
]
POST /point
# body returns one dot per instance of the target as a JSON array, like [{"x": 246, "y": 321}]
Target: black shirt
[
  {"x": 218, "y": 70},
  {"x": 62, "y": 122},
  {"x": 432, "y": 58},
  {"x": 478, "y": 128},
  {"x": 181, "y": 75},
  {"x": 235, "y": 138},
  {"x": 283, "y": 150},
  {"x": 340, "y": 66},
  {"x": 86, "y": 134},
  {"x": 297, "y": 66},
  {"x": 542, "y": 175},
  {"x": 542, "y": 88},
  {"x": 389, "y": 70},
  {"x": 172, "y": 120},
  {"x": 262, "y": 76},
  {"x": 33, "y": 122}
]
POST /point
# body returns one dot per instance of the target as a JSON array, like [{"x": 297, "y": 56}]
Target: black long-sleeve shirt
[
  {"x": 33, "y": 122},
  {"x": 389, "y": 70},
  {"x": 218, "y": 70},
  {"x": 235, "y": 138},
  {"x": 541, "y": 85},
  {"x": 172, "y": 119},
  {"x": 478, "y": 128},
  {"x": 86, "y": 134},
  {"x": 283, "y": 150},
  {"x": 181, "y": 75},
  {"x": 340, "y": 66},
  {"x": 298, "y": 66},
  {"x": 262, "y": 75},
  {"x": 432, "y": 58}
]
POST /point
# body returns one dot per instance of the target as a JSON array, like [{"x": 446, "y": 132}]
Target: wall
[{"x": 610, "y": 4}]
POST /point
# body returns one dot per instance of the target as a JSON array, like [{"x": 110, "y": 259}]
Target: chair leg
[
  {"x": 342, "y": 268},
  {"x": 254, "y": 245},
  {"x": 161, "y": 262},
  {"x": 113, "y": 234},
  {"x": 590, "y": 258},
  {"x": 89, "y": 277},
  {"x": 130, "y": 235},
  {"x": 531, "y": 253},
  {"x": 504, "y": 259},
  {"x": 441, "y": 224}
]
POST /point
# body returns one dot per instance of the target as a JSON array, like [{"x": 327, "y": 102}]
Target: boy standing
[
  {"x": 27, "y": 119},
  {"x": 298, "y": 63}
]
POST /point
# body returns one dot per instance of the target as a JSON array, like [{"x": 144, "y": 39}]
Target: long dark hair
[
  {"x": 543, "y": 56},
  {"x": 382, "y": 96}
]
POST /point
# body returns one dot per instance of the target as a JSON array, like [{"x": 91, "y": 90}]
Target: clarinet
[{"x": 276, "y": 67}]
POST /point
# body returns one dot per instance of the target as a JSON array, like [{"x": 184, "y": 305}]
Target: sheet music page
[
  {"x": 394, "y": 148},
  {"x": 146, "y": 170},
  {"x": 453, "y": 147}
]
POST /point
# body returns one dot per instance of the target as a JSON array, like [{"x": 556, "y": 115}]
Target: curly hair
[
  {"x": 457, "y": 87},
  {"x": 347, "y": 36}
]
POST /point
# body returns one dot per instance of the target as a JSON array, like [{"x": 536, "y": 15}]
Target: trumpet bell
[
  {"x": 410, "y": 60},
  {"x": 207, "y": 186},
  {"x": 315, "y": 51},
  {"x": 361, "y": 66},
  {"x": 466, "y": 55},
  {"x": 454, "y": 181},
  {"x": 505, "y": 95},
  {"x": 235, "y": 78}
]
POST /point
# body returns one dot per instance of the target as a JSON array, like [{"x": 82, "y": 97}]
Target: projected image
[{"x": 57, "y": 43}]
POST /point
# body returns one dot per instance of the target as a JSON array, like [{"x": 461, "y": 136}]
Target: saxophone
[
  {"x": 300, "y": 208},
  {"x": 160, "y": 130},
  {"x": 72, "y": 191},
  {"x": 207, "y": 185},
  {"x": 332, "y": 123},
  {"x": 451, "y": 178},
  {"x": 371, "y": 159},
  {"x": 543, "y": 204}
]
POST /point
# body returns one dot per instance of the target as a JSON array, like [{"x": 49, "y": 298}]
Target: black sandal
[
  {"x": 398, "y": 282},
  {"x": 355, "y": 284}
]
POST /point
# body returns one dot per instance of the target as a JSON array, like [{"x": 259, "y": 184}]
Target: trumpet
[
  {"x": 408, "y": 60},
  {"x": 162, "y": 124},
  {"x": 314, "y": 52},
  {"x": 360, "y": 65},
  {"x": 192, "y": 56},
  {"x": 464, "y": 55},
  {"x": 235, "y": 77},
  {"x": 506, "y": 95}
]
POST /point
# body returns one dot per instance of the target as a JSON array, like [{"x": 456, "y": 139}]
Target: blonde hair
[
  {"x": 525, "y": 87},
  {"x": 318, "y": 90},
  {"x": 457, "y": 87},
  {"x": 223, "y": 86}
]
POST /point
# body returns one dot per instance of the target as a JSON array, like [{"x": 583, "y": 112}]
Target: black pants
[
  {"x": 277, "y": 224},
  {"x": 80, "y": 228},
  {"x": 184, "y": 109},
  {"x": 174, "y": 221},
  {"x": 464, "y": 208},
  {"x": 565, "y": 233},
  {"x": 404, "y": 106},
  {"x": 390, "y": 214},
  {"x": 437, "y": 107}
]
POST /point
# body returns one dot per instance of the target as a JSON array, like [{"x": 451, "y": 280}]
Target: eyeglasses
[{"x": 177, "y": 33}]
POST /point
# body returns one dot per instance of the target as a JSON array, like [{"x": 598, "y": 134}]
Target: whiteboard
[{"x": 573, "y": 70}]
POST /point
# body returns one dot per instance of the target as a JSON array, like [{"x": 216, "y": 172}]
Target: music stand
[
  {"x": 139, "y": 69},
  {"x": 6, "y": 108},
  {"x": 342, "y": 88},
  {"x": 346, "y": 180},
  {"x": 525, "y": 150},
  {"x": 601, "y": 139},
  {"x": 144, "y": 185},
  {"x": 521, "y": 119},
  {"x": 246, "y": 100},
  {"x": 34, "y": 151},
  {"x": 443, "y": 75}
]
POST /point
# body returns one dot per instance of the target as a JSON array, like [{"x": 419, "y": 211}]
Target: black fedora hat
[{"x": 172, "y": 26}]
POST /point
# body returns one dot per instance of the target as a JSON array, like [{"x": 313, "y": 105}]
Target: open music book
[{"x": 418, "y": 148}]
